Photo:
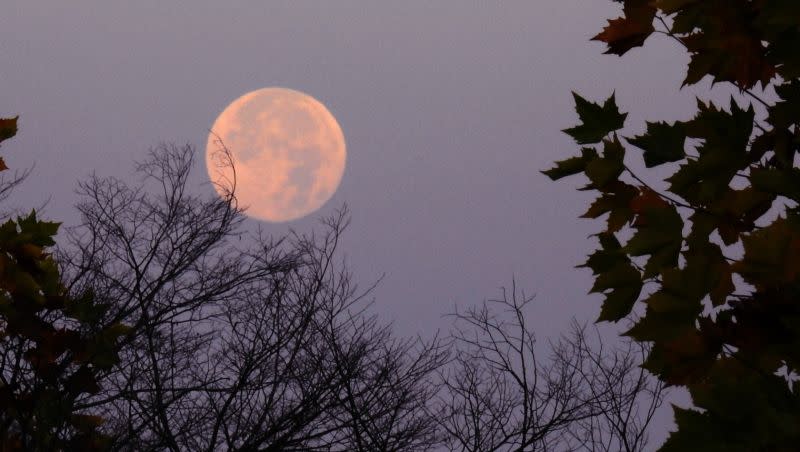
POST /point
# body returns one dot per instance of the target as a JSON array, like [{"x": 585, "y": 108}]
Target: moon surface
[{"x": 286, "y": 150}]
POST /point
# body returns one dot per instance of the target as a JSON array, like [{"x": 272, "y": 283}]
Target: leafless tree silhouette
[
  {"x": 502, "y": 394},
  {"x": 265, "y": 347},
  {"x": 268, "y": 344}
]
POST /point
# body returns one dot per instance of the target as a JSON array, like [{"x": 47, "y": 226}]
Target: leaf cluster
[
  {"x": 744, "y": 42},
  {"x": 726, "y": 327},
  {"x": 52, "y": 347}
]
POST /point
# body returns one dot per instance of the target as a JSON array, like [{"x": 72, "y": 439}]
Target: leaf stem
[
  {"x": 754, "y": 96},
  {"x": 665, "y": 196},
  {"x": 669, "y": 32}
]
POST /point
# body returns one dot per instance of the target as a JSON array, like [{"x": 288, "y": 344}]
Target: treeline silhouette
[{"x": 175, "y": 334}]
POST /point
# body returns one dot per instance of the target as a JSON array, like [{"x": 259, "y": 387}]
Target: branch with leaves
[
  {"x": 53, "y": 349},
  {"x": 720, "y": 325}
]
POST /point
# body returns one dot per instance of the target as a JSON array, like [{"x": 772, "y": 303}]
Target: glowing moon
[{"x": 287, "y": 150}]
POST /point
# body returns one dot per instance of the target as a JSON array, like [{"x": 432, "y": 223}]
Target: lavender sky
[{"x": 450, "y": 109}]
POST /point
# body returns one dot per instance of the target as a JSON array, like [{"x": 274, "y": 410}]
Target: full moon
[{"x": 283, "y": 150}]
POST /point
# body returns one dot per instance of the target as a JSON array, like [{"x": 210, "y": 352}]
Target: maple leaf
[
  {"x": 621, "y": 286},
  {"x": 787, "y": 110},
  {"x": 672, "y": 310},
  {"x": 724, "y": 43},
  {"x": 662, "y": 143},
  {"x": 751, "y": 66},
  {"x": 615, "y": 201},
  {"x": 572, "y": 165},
  {"x": 706, "y": 259},
  {"x": 777, "y": 21},
  {"x": 8, "y": 127},
  {"x": 684, "y": 359},
  {"x": 723, "y": 152},
  {"x": 742, "y": 411},
  {"x": 607, "y": 257},
  {"x": 777, "y": 181},
  {"x": 616, "y": 278},
  {"x": 606, "y": 169},
  {"x": 658, "y": 233},
  {"x": 597, "y": 121},
  {"x": 631, "y": 30},
  {"x": 772, "y": 255}
]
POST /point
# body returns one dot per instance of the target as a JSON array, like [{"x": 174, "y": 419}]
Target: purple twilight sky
[{"x": 450, "y": 109}]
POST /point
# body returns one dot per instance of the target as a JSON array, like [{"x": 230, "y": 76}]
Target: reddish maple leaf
[{"x": 628, "y": 31}]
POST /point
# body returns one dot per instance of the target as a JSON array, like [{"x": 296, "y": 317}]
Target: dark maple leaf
[
  {"x": 662, "y": 143},
  {"x": 597, "y": 120},
  {"x": 628, "y": 31},
  {"x": 8, "y": 127},
  {"x": 739, "y": 59}
]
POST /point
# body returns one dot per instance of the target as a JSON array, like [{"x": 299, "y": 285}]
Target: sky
[{"x": 450, "y": 110}]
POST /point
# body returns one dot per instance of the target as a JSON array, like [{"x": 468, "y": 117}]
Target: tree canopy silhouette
[
  {"x": 52, "y": 347},
  {"x": 713, "y": 258},
  {"x": 154, "y": 327}
]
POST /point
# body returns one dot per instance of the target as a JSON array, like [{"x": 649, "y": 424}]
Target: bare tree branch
[
  {"x": 265, "y": 347},
  {"x": 500, "y": 394}
]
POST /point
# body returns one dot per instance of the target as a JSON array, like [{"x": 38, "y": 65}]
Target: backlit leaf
[
  {"x": 662, "y": 143},
  {"x": 658, "y": 232},
  {"x": 671, "y": 311},
  {"x": 621, "y": 286},
  {"x": 615, "y": 201},
  {"x": 631, "y": 30},
  {"x": 777, "y": 182},
  {"x": 8, "y": 128},
  {"x": 772, "y": 255},
  {"x": 572, "y": 165},
  {"x": 684, "y": 359},
  {"x": 608, "y": 256},
  {"x": 596, "y": 121},
  {"x": 602, "y": 171},
  {"x": 738, "y": 56},
  {"x": 787, "y": 111}
]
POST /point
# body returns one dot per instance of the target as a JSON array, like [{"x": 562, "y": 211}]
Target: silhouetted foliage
[
  {"x": 724, "y": 323},
  {"x": 52, "y": 348},
  {"x": 501, "y": 394}
]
